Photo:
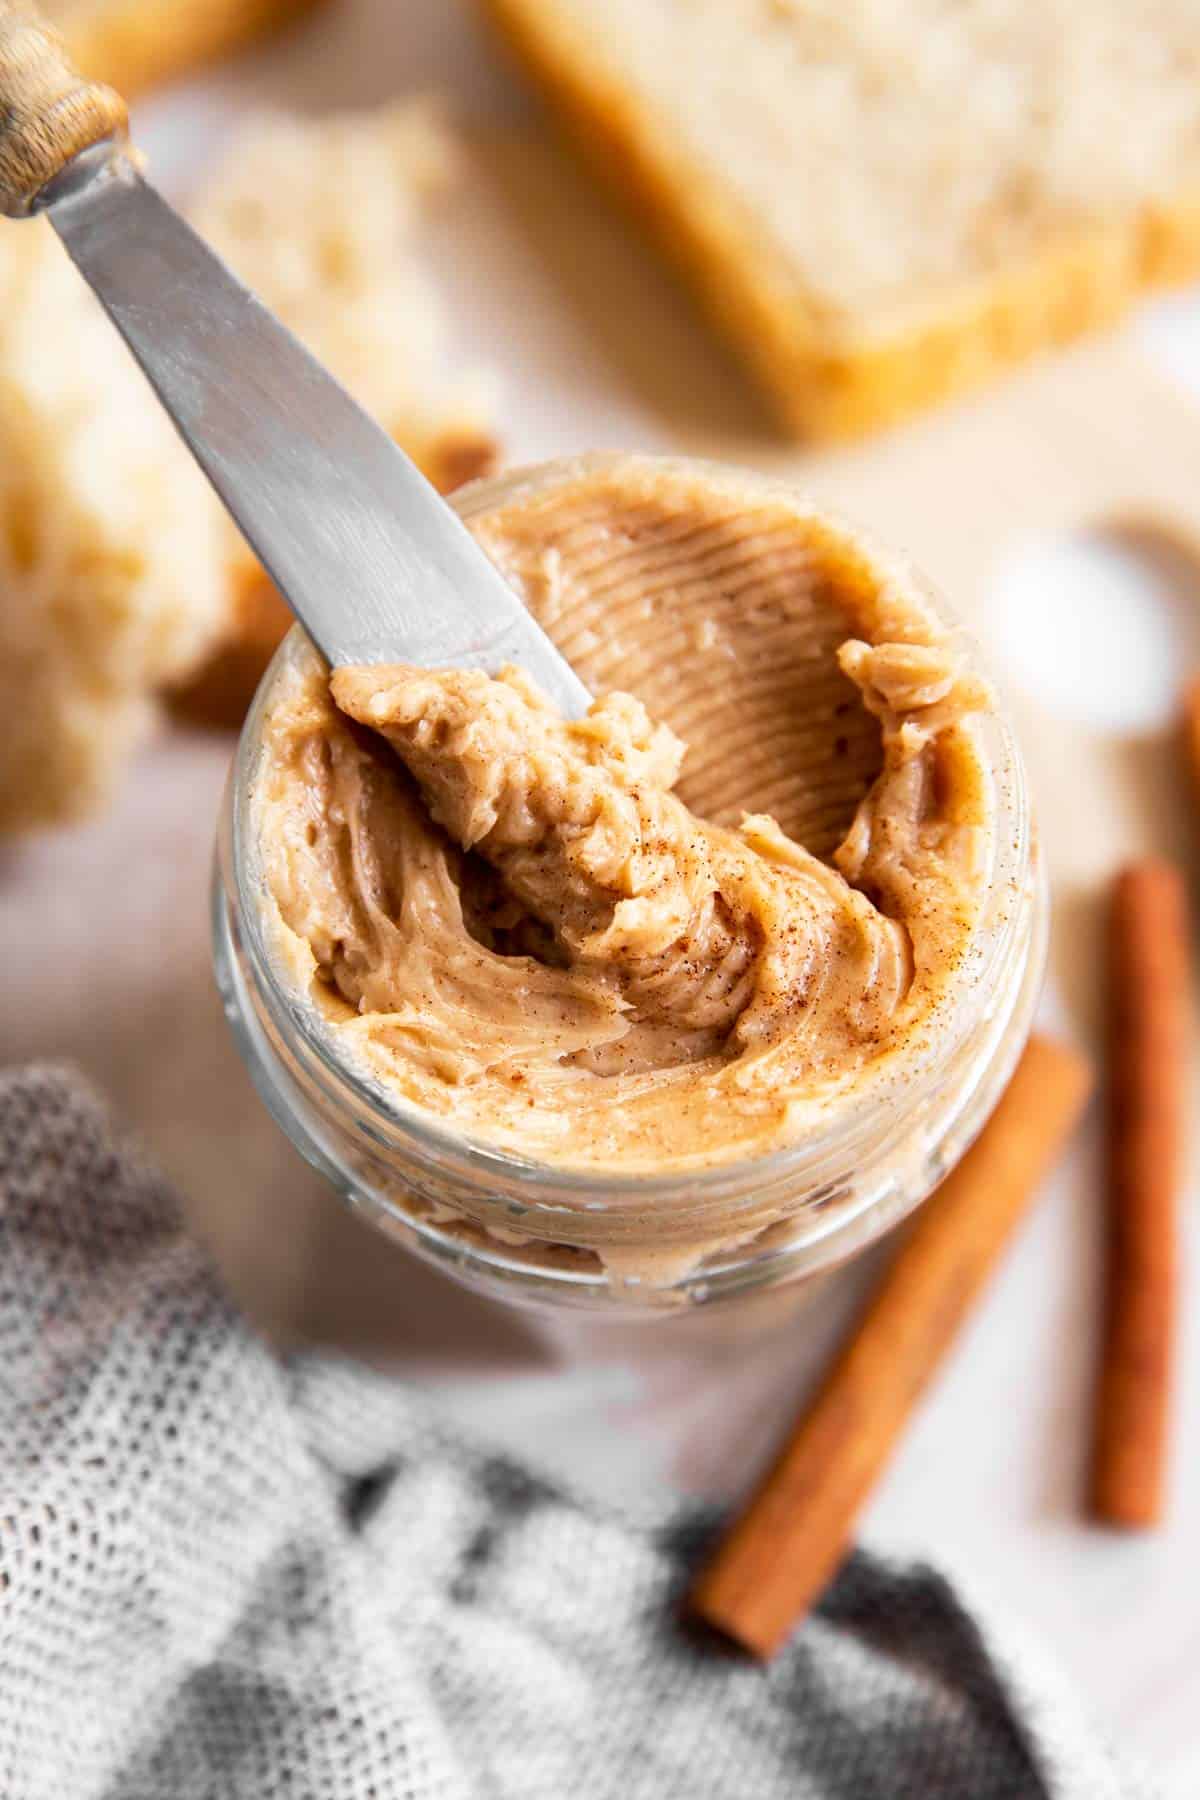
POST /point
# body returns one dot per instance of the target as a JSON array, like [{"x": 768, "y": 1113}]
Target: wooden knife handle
[{"x": 48, "y": 112}]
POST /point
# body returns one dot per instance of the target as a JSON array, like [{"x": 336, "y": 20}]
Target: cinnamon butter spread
[{"x": 580, "y": 941}]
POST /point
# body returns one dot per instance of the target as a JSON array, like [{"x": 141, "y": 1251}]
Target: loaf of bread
[
  {"x": 135, "y": 44},
  {"x": 882, "y": 203},
  {"x": 120, "y": 575}
]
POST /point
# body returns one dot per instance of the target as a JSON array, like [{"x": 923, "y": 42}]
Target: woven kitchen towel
[{"x": 224, "y": 1576}]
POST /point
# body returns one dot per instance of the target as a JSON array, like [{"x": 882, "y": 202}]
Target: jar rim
[{"x": 406, "y": 1128}]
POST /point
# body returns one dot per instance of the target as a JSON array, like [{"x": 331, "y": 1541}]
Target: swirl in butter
[{"x": 562, "y": 939}]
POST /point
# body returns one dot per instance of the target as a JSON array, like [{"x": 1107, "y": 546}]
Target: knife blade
[{"x": 368, "y": 555}]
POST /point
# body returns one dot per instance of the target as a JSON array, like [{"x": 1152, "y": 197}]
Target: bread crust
[
  {"x": 823, "y": 382},
  {"x": 138, "y": 44}
]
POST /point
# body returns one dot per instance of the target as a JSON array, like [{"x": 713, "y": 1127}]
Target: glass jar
[{"x": 529, "y": 1233}]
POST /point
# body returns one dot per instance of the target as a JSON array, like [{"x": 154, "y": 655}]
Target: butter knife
[{"x": 371, "y": 560}]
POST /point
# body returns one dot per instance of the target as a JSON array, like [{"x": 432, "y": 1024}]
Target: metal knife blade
[{"x": 370, "y": 558}]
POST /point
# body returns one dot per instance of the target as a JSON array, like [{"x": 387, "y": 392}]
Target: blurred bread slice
[
  {"x": 112, "y": 577},
  {"x": 882, "y": 204},
  {"x": 323, "y": 220},
  {"x": 136, "y": 44}
]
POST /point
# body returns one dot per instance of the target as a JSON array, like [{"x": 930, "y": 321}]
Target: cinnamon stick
[
  {"x": 781, "y": 1552},
  {"x": 1191, "y": 732},
  {"x": 1149, "y": 975}
]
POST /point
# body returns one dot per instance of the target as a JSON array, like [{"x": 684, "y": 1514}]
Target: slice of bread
[
  {"x": 136, "y": 44},
  {"x": 323, "y": 219},
  {"x": 112, "y": 563},
  {"x": 882, "y": 204}
]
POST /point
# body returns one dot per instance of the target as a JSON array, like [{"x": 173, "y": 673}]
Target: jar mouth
[{"x": 821, "y": 1153}]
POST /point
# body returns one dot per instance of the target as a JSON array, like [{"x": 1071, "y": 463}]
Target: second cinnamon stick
[{"x": 1149, "y": 980}]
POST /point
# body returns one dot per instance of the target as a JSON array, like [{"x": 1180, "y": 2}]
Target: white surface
[
  {"x": 107, "y": 962},
  {"x": 1092, "y": 633}
]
